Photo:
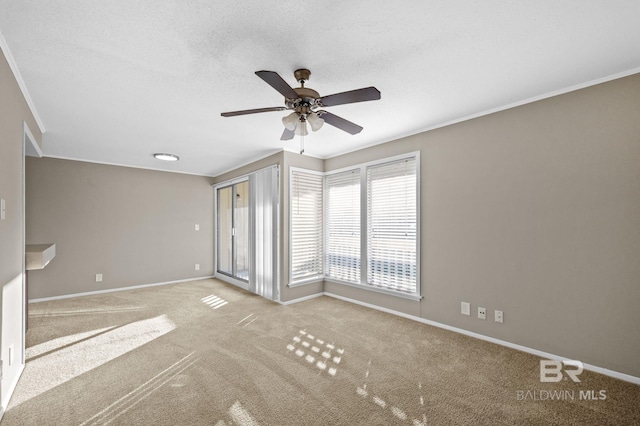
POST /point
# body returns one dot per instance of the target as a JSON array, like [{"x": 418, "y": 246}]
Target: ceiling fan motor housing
[{"x": 307, "y": 99}]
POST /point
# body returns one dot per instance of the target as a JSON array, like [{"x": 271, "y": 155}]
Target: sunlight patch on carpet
[
  {"x": 383, "y": 404},
  {"x": 58, "y": 367},
  {"x": 214, "y": 301},
  {"x": 318, "y": 353},
  {"x": 92, "y": 311},
  {"x": 244, "y": 322},
  {"x": 238, "y": 415},
  {"x": 60, "y": 342},
  {"x": 131, "y": 399}
]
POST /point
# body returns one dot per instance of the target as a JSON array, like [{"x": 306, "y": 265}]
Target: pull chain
[{"x": 303, "y": 131}]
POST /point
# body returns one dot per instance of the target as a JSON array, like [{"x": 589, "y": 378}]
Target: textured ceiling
[{"x": 115, "y": 81}]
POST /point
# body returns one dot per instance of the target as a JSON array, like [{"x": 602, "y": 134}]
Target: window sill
[
  {"x": 306, "y": 282},
  {"x": 415, "y": 297}
]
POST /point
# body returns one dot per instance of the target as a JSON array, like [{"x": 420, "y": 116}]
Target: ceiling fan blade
[
  {"x": 287, "y": 135},
  {"x": 274, "y": 80},
  {"x": 340, "y": 123},
  {"x": 352, "y": 96},
  {"x": 251, "y": 111}
]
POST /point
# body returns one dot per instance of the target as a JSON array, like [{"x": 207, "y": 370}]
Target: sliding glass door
[
  {"x": 247, "y": 217},
  {"x": 233, "y": 230}
]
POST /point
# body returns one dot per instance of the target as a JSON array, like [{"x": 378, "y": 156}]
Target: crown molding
[{"x": 23, "y": 87}]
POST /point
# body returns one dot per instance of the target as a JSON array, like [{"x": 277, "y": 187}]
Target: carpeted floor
[{"x": 208, "y": 353}]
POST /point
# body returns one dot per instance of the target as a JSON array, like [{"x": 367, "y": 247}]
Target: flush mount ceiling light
[{"x": 166, "y": 157}]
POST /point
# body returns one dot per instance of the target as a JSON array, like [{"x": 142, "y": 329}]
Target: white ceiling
[{"x": 115, "y": 81}]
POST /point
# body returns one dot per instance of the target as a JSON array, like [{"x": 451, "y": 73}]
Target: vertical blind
[
  {"x": 263, "y": 225},
  {"x": 391, "y": 225},
  {"x": 306, "y": 225},
  {"x": 342, "y": 259}
]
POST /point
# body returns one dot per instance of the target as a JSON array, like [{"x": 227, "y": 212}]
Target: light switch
[
  {"x": 3, "y": 209},
  {"x": 197, "y": 227}
]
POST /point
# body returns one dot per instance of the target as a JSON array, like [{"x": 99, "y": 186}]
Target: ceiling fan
[{"x": 306, "y": 105}]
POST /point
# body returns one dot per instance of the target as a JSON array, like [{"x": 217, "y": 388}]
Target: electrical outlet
[
  {"x": 482, "y": 313},
  {"x": 465, "y": 308},
  {"x": 197, "y": 266},
  {"x": 499, "y": 316},
  {"x": 98, "y": 278}
]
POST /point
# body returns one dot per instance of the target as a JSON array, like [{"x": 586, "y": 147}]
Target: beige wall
[
  {"x": 134, "y": 226},
  {"x": 13, "y": 112},
  {"x": 534, "y": 211}
]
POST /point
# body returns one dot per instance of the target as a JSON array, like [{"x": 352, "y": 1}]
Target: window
[
  {"x": 343, "y": 226},
  {"x": 370, "y": 236},
  {"x": 392, "y": 225},
  {"x": 306, "y": 225}
]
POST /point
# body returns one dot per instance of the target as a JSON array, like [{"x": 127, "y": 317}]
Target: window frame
[
  {"x": 364, "y": 226},
  {"x": 315, "y": 278},
  {"x": 375, "y": 206},
  {"x": 325, "y": 219}
]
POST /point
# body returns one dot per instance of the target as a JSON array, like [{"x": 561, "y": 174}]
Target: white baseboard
[
  {"x": 111, "y": 290},
  {"x": 302, "y": 299},
  {"x": 542, "y": 354}
]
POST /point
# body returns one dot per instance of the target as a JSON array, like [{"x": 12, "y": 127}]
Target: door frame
[
  {"x": 30, "y": 148},
  {"x": 218, "y": 274}
]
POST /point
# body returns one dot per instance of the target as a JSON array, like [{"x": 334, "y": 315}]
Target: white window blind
[
  {"x": 343, "y": 226},
  {"x": 391, "y": 225},
  {"x": 306, "y": 225}
]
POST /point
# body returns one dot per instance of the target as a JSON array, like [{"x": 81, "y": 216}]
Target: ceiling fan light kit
[
  {"x": 315, "y": 121},
  {"x": 290, "y": 121},
  {"x": 306, "y": 103}
]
